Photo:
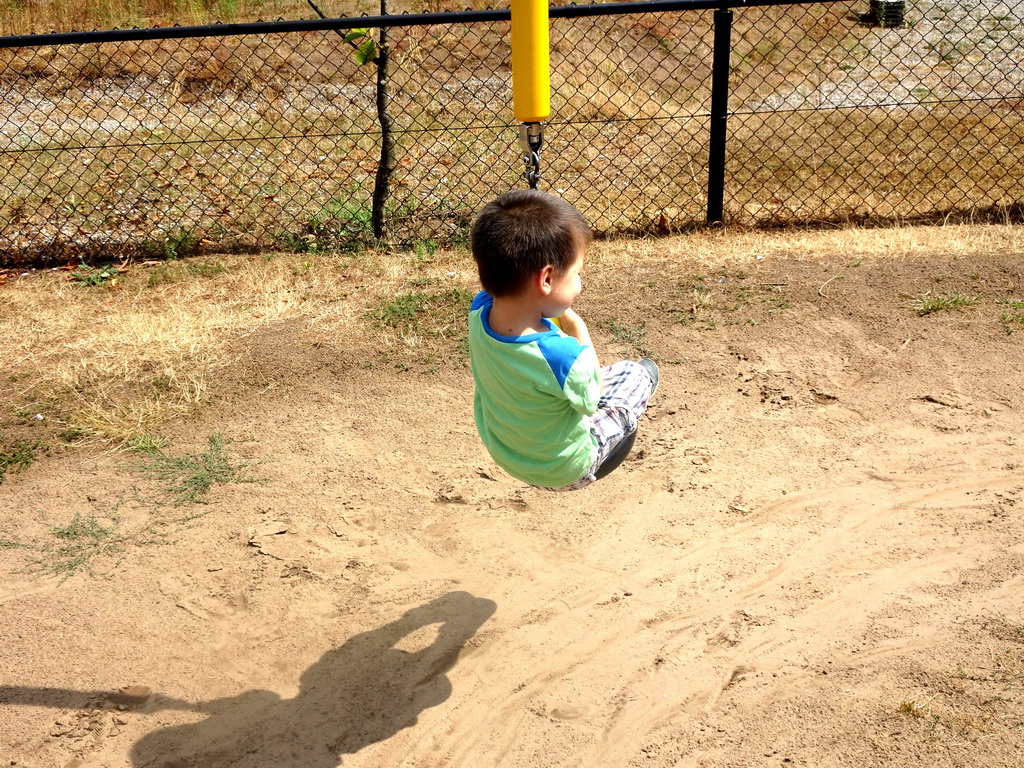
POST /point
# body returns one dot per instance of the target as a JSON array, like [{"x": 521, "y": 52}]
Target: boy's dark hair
[{"x": 520, "y": 233}]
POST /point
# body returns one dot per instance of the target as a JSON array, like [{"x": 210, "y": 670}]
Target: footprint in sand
[{"x": 205, "y": 604}]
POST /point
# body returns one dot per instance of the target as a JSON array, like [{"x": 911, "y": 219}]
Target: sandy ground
[{"x": 813, "y": 557}]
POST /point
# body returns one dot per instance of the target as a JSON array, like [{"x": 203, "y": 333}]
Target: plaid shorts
[{"x": 625, "y": 390}]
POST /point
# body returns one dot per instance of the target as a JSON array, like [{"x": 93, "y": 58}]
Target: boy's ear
[{"x": 545, "y": 279}]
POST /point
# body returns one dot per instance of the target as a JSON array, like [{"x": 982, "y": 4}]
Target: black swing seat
[{"x": 617, "y": 456}]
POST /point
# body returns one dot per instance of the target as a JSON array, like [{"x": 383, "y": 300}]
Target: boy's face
[{"x": 565, "y": 287}]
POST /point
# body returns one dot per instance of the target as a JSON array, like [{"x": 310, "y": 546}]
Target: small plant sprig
[
  {"x": 926, "y": 304},
  {"x": 365, "y": 46},
  {"x": 174, "y": 245},
  {"x": 92, "y": 276},
  {"x": 359, "y": 38},
  {"x": 911, "y": 707},
  {"x": 919, "y": 710}
]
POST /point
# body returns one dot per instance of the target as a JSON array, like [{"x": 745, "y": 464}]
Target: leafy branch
[{"x": 360, "y": 40}]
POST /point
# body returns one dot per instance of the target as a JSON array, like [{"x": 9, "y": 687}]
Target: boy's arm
[{"x": 573, "y": 325}]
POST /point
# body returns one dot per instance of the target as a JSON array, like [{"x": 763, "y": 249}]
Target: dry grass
[
  {"x": 911, "y": 707},
  {"x": 21, "y": 17},
  {"x": 113, "y": 363},
  {"x": 25, "y": 17},
  {"x": 841, "y": 244},
  {"x": 981, "y": 700},
  {"x": 120, "y": 360}
]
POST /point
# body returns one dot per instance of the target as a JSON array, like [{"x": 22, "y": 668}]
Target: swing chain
[{"x": 531, "y": 137}]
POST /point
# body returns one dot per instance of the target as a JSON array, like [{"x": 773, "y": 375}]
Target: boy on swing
[{"x": 547, "y": 413}]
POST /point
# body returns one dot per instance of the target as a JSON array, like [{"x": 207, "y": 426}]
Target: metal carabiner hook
[
  {"x": 532, "y": 169},
  {"x": 531, "y": 138}
]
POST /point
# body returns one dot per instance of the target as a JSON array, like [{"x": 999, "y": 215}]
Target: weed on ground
[
  {"x": 149, "y": 444},
  {"x": 187, "y": 479},
  {"x": 1012, "y": 318},
  {"x": 97, "y": 542},
  {"x": 632, "y": 337},
  {"x": 19, "y": 456},
  {"x": 91, "y": 543},
  {"x": 926, "y": 304},
  {"x": 92, "y": 276},
  {"x": 78, "y": 544}
]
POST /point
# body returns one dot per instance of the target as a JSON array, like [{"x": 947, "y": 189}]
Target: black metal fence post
[
  {"x": 386, "y": 165},
  {"x": 719, "y": 114}
]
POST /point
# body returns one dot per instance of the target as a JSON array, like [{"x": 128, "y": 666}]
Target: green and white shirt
[{"x": 534, "y": 396}]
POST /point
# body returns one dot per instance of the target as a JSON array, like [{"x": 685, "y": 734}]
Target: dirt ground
[{"x": 813, "y": 557}]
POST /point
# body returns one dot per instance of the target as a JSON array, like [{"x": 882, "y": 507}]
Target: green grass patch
[
  {"x": 342, "y": 225},
  {"x": 149, "y": 444},
  {"x": 177, "y": 272},
  {"x": 425, "y": 250},
  {"x": 927, "y": 304},
  {"x": 187, "y": 479},
  {"x": 1012, "y": 321},
  {"x": 403, "y": 311},
  {"x": 19, "y": 456},
  {"x": 422, "y": 313},
  {"x": 633, "y": 337}
]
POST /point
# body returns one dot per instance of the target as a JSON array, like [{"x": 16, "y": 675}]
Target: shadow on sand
[{"x": 363, "y": 692}]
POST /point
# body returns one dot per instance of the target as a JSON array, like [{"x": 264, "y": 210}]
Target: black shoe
[{"x": 652, "y": 370}]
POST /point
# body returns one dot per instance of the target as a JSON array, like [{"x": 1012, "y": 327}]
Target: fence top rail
[{"x": 361, "y": 22}]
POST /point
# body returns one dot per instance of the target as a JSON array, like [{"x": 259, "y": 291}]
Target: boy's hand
[{"x": 573, "y": 325}]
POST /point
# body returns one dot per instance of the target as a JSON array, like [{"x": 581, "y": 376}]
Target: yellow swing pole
[{"x": 531, "y": 79}]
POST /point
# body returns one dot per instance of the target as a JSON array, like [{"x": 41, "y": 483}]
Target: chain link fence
[
  {"x": 247, "y": 137},
  {"x": 835, "y": 117}
]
